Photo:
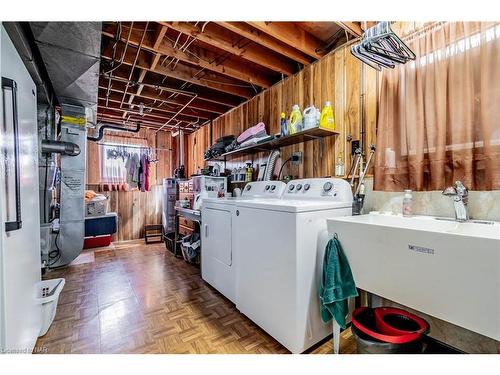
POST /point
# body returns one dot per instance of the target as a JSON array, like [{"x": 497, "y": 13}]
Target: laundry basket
[
  {"x": 48, "y": 295},
  {"x": 96, "y": 207}
]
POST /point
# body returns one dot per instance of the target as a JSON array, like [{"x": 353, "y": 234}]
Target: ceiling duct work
[{"x": 71, "y": 55}]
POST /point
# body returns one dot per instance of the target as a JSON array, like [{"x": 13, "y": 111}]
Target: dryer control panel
[
  {"x": 319, "y": 188},
  {"x": 267, "y": 189}
]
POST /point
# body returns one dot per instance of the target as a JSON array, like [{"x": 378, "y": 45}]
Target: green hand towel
[{"x": 337, "y": 284}]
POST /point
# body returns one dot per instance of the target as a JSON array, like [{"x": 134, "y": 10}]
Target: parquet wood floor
[{"x": 136, "y": 298}]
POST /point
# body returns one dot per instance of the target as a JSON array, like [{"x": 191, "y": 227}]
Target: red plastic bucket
[
  {"x": 359, "y": 320},
  {"x": 397, "y": 322}
]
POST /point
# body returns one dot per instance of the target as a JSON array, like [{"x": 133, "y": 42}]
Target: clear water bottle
[{"x": 407, "y": 203}]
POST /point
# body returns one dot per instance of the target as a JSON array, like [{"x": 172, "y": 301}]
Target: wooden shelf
[{"x": 277, "y": 142}]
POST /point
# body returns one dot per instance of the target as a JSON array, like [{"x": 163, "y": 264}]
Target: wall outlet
[
  {"x": 297, "y": 158},
  {"x": 354, "y": 146}
]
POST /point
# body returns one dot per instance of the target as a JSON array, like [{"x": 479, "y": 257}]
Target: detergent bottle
[
  {"x": 283, "y": 125},
  {"x": 311, "y": 117},
  {"x": 295, "y": 124},
  {"x": 327, "y": 121}
]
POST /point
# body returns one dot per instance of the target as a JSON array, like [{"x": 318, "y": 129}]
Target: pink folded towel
[{"x": 252, "y": 132}]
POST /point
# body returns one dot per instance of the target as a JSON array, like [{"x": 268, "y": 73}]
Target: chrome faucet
[{"x": 460, "y": 196}]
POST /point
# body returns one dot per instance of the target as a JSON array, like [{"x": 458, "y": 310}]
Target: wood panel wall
[
  {"x": 336, "y": 78},
  {"x": 135, "y": 208}
]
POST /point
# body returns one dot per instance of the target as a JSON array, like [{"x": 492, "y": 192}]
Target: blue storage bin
[{"x": 101, "y": 225}]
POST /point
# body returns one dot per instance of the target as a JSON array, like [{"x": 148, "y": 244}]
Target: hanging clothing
[
  {"x": 144, "y": 173},
  {"x": 132, "y": 167}
]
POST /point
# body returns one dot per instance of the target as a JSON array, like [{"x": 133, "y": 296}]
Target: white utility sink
[{"x": 441, "y": 267}]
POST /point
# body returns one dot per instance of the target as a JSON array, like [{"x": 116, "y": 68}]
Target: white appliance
[
  {"x": 218, "y": 262},
  {"x": 20, "y": 313},
  {"x": 207, "y": 187},
  {"x": 280, "y": 258}
]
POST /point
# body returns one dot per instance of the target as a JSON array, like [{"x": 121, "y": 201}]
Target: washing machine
[
  {"x": 280, "y": 246},
  {"x": 218, "y": 260}
]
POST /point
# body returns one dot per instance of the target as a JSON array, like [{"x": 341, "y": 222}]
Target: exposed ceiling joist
[
  {"x": 188, "y": 74},
  {"x": 149, "y": 95},
  {"x": 147, "y": 109},
  {"x": 117, "y": 119},
  {"x": 145, "y": 115},
  {"x": 241, "y": 73},
  {"x": 160, "y": 34},
  {"x": 249, "y": 52},
  {"x": 291, "y": 34},
  {"x": 265, "y": 40},
  {"x": 353, "y": 28},
  {"x": 154, "y": 86}
]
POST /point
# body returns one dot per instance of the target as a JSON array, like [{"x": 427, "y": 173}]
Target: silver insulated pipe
[{"x": 58, "y": 147}]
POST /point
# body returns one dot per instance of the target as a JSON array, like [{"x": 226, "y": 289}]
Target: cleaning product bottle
[
  {"x": 283, "y": 125},
  {"x": 339, "y": 166},
  {"x": 295, "y": 123},
  {"x": 249, "y": 174},
  {"x": 407, "y": 203},
  {"x": 327, "y": 121}
]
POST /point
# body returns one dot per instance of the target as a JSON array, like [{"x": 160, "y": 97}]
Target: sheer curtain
[
  {"x": 113, "y": 171},
  {"x": 439, "y": 116}
]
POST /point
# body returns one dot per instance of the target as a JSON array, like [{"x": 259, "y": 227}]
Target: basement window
[{"x": 116, "y": 163}]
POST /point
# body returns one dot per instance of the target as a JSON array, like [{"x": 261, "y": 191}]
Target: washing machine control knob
[
  {"x": 248, "y": 187},
  {"x": 273, "y": 187},
  {"x": 306, "y": 187},
  {"x": 327, "y": 186},
  {"x": 291, "y": 187},
  {"x": 267, "y": 187},
  {"x": 299, "y": 186}
]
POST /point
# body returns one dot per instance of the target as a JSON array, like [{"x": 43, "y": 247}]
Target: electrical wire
[
  {"x": 57, "y": 252},
  {"x": 281, "y": 168}
]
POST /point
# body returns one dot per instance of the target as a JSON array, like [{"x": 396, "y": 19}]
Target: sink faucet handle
[{"x": 449, "y": 191}]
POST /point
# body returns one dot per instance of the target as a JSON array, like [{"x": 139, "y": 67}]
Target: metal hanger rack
[
  {"x": 134, "y": 146},
  {"x": 381, "y": 48}
]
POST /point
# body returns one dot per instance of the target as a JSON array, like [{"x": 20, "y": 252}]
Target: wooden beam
[
  {"x": 188, "y": 74},
  {"x": 291, "y": 34},
  {"x": 167, "y": 113},
  {"x": 132, "y": 118},
  {"x": 160, "y": 33},
  {"x": 198, "y": 105},
  {"x": 249, "y": 52},
  {"x": 208, "y": 99},
  {"x": 265, "y": 40},
  {"x": 354, "y": 28},
  {"x": 241, "y": 73}
]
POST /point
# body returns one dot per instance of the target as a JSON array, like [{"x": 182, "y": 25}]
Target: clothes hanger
[
  {"x": 374, "y": 60},
  {"x": 381, "y": 48},
  {"x": 383, "y": 37}
]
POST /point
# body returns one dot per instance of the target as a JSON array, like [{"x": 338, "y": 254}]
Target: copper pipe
[
  {"x": 135, "y": 61},
  {"x": 178, "y": 112},
  {"x": 154, "y": 86},
  {"x": 117, "y": 38}
]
